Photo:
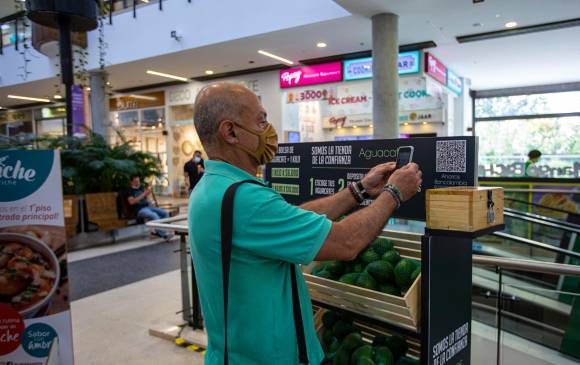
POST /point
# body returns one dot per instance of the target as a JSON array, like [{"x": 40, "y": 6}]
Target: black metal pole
[
  {"x": 499, "y": 313},
  {"x": 16, "y": 34},
  {"x": 66, "y": 68}
]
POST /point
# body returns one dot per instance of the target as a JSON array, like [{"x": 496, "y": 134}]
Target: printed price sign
[{"x": 305, "y": 171}]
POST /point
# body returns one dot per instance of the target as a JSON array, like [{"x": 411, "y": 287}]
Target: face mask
[
  {"x": 197, "y": 159},
  {"x": 266, "y": 148}
]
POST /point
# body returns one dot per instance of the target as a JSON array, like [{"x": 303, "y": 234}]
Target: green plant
[{"x": 91, "y": 165}]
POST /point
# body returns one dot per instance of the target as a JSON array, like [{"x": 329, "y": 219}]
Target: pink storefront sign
[
  {"x": 311, "y": 75},
  {"x": 435, "y": 68}
]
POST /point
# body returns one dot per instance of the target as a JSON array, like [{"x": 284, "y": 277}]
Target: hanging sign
[
  {"x": 311, "y": 75},
  {"x": 435, "y": 68},
  {"x": 78, "y": 109},
  {"x": 362, "y": 68},
  {"x": 35, "y": 320}
]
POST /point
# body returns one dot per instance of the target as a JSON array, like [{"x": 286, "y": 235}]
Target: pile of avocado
[
  {"x": 379, "y": 267},
  {"x": 344, "y": 345}
]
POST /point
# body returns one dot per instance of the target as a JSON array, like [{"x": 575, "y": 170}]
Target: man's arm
[
  {"x": 336, "y": 205},
  {"x": 136, "y": 199},
  {"x": 351, "y": 235}
]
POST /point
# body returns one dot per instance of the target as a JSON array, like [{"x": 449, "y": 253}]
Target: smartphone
[{"x": 404, "y": 156}]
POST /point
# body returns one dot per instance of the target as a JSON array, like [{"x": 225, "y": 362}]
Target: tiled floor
[{"x": 112, "y": 327}]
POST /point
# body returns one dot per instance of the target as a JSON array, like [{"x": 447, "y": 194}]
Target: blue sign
[
  {"x": 23, "y": 172},
  {"x": 37, "y": 339},
  {"x": 454, "y": 82},
  {"x": 362, "y": 68},
  {"x": 293, "y": 137}
]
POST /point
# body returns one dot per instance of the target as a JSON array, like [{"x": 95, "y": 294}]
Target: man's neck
[{"x": 236, "y": 158}]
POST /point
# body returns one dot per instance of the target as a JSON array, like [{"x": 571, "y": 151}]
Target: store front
[
  {"x": 140, "y": 119},
  {"x": 320, "y": 108},
  {"x": 17, "y": 126}
]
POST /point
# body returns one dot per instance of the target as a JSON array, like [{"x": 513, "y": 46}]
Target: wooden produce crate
[
  {"x": 464, "y": 208},
  {"x": 368, "y": 331},
  {"x": 403, "y": 311}
]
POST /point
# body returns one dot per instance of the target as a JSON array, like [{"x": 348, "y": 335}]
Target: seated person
[{"x": 137, "y": 197}]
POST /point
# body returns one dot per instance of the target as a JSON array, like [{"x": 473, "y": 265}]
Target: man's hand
[
  {"x": 148, "y": 190},
  {"x": 377, "y": 178},
  {"x": 408, "y": 179}
]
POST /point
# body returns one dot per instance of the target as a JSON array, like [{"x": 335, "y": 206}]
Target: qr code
[{"x": 451, "y": 156}]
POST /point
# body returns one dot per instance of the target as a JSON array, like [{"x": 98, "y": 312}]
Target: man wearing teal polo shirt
[{"x": 269, "y": 234}]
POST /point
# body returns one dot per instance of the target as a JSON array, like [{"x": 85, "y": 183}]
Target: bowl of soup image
[{"x": 29, "y": 274}]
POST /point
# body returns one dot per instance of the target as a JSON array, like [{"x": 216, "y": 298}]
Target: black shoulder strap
[{"x": 227, "y": 224}]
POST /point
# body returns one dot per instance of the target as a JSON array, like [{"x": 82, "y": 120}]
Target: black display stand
[{"x": 446, "y": 287}]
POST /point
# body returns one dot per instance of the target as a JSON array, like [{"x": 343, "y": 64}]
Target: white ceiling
[{"x": 532, "y": 59}]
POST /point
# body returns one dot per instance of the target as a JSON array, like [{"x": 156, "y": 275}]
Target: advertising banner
[
  {"x": 78, "y": 109},
  {"x": 35, "y": 321},
  {"x": 362, "y": 68},
  {"x": 311, "y": 75},
  {"x": 435, "y": 68},
  {"x": 305, "y": 171}
]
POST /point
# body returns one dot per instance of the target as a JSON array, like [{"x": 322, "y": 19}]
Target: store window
[
  {"x": 153, "y": 118},
  {"x": 511, "y": 126},
  {"x": 20, "y": 131}
]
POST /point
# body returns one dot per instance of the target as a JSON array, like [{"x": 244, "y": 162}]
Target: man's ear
[{"x": 227, "y": 132}]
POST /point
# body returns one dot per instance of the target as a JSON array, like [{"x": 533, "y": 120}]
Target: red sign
[
  {"x": 435, "y": 68},
  {"x": 11, "y": 328},
  {"x": 311, "y": 75}
]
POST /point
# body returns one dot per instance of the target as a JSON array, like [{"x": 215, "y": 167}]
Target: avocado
[
  {"x": 361, "y": 352},
  {"x": 382, "y": 356},
  {"x": 325, "y": 274},
  {"x": 380, "y": 340},
  {"x": 342, "y": 328},
  {"x": 392, "y": 256},
  {"x": 342, "y": 357},
  {"x": 367, "y": 256},
  {"x": 365, "y": 280},
  {"x": 352, "y": 342},
  {"x": 403, "y": 271},
  {"x": 365, "y": 361},
  {"x": 326, "y": 336},
  {"x": 334, "y": 345},
  {"x": 398, "y": 346},
  {"x": 389, "y": 289},
  {"x": 381, "y": 245},
  {"x": 329, "y": 319},
  {"x": 336, "y": 268},
  {"x": 407, "y": 361},
  {"x": 349, "y": 278},
  {"x": 415, "y": 274},
  {"x": 382, "y": 271}
]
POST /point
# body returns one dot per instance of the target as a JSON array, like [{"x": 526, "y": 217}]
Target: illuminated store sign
[
  {"x": 435, "y": 68},
  {"x": 454, "y": 82},
  {"x": 311, "y": 75},
  {"x": 362, "y": 68}
]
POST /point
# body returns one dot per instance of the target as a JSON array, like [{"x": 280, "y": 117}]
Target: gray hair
[{"x": 215, "y": 103}]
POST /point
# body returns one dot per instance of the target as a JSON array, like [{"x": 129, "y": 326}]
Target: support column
[
  {"x": 99, "y": 104},
  {"x": 385, "y": 75}
]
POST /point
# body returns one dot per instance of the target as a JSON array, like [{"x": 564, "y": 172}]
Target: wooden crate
[
  {"x": 400, "y": 311},
  {"x": 463, "y": 208},
  {"x": 368, "y": 331}
]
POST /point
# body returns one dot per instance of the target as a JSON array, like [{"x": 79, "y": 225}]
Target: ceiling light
[
  {"x": 268, "y": 54},
  {"x": 511, "y": 24},
  {"x": 56, "y": 96},
  {"x": 320, "y": 44},
  {"x": 405, "y": 123},
  {"x": 5, "y": 27},
  {"x": 166, "y": 75},
  {"x": 142, "y": 97},
  {"x": 208, "y": 72},
  {"x": 339, "y": 127},
  {"x": 1, "y": 107},
  {"x": 425, "y": 123},
  {"x": 370, "y": 125},
  {"x": 28, "y": 98},
  {"x": 354, "y": 126},
  {"x": 88, "y": 89}
]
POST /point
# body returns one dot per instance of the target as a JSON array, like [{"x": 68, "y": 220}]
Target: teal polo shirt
[{"x": 268, "y": 234}]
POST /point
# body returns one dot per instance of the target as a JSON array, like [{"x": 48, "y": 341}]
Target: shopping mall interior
[{"x": 484, "y": 93}]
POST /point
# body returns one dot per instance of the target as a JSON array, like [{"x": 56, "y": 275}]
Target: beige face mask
[{"x": 266, "y": 148}]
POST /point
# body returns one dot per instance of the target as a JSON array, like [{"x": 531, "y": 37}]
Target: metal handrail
[
  {"x": 527, "y": 265},
  {"x": 543, "y": 218},
  {"x": 540, "y": 206},
  {"x": 542, "y": 222},
  {"x": 537, "y": 244}
]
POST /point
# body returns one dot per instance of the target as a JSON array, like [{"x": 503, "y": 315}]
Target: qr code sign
[{"x": 451, "y": 156}]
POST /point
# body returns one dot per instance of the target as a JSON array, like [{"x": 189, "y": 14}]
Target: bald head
[{"x": 218, "y": 102}]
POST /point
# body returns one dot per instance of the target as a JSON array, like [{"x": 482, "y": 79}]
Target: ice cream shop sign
[{"x": 311, "y": 75}]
